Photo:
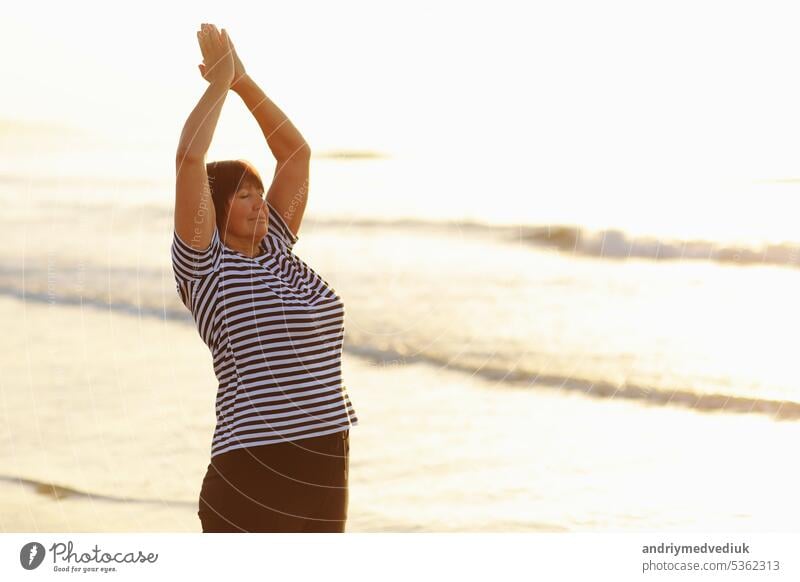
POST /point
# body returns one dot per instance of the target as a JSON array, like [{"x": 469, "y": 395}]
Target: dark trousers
[{"x": 294, "y": 486}]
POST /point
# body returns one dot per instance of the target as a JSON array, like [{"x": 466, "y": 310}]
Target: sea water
[{"x": 510, "y": 375}]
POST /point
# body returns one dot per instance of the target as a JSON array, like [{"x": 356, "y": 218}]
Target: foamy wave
[
  {"x": 602, "y": 244},
  {"x": 58, "y": 492},
  {"x": 685, "y": 398},
  {"x": 615, "y": 244}
]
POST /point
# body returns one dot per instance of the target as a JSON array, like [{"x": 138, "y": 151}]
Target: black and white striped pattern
[{"x": 275, "y": 329}]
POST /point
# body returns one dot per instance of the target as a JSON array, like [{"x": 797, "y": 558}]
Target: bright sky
[
  {"x": 601, "y": 80},
  {"x": 575, "y": 92},
  {"x": 349, "y": 73}
]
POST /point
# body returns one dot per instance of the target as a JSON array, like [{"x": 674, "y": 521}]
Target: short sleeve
[
  {"x": 278, "y": 231},
  {"x": 189, "y": 264}
]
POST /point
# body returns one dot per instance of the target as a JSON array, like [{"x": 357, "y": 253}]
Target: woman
[{"x": 280, "y": 451}]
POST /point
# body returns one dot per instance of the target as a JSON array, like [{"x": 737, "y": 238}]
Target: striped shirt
[{"x": 275, "y": 329}]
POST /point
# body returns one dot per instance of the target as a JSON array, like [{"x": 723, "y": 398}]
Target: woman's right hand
[{"x": 218, "y": 65}]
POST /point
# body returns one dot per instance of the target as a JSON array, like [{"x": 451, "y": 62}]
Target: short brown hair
[{"x": 225, "y": 178}]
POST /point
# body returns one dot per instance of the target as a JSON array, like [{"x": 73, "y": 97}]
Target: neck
[{"x": 246, "y": 248}]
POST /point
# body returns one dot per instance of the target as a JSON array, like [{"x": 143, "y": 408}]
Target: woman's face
[{"x": 247, "y": 215}]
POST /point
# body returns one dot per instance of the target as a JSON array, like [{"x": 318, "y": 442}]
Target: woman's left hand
[{"x": 239, "y": 74}]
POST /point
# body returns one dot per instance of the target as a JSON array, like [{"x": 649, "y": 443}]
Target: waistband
[{"x": 327, "y": 443}]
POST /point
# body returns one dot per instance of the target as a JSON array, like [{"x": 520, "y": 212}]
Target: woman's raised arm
[
  {"x": 195, "y": 217},
  {"x": 288, "y": 192}
]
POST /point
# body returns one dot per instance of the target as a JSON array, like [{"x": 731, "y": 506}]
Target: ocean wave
[
  {"x": 606, "y": 244},
  {"x": 612, "y": 244},
  {"x": 597, "y": 388},
  {"x": 616, "y": 244},
  {"x": 59, "y": 492},
  {"x": 154, "y": 297}
]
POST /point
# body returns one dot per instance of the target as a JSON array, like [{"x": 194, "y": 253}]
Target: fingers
[
  {"x": 215, "y": 36},
  {"x": 226, "y": 44},
  {"x": 203, "y": 37},
  {"x": 200, "y": 42},
  {"x": 208, "y": 36}
]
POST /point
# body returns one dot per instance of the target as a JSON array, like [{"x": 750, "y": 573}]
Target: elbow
[
  {"x": 297, "y": 154},
  {"x": 186, "y": 155},
  {"x": 305, "y": 151}
]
